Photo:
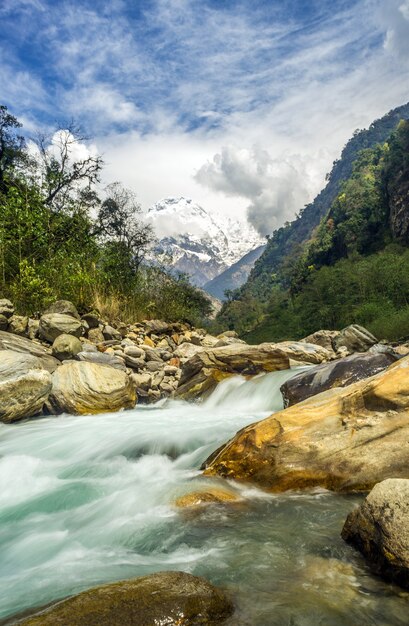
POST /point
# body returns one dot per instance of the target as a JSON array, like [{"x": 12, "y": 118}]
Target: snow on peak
[{"x": 192, "y": 240}]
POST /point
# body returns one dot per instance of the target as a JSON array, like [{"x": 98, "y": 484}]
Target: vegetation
[
  {"x": 352, "y": 268},
  {"x": 51, "y": 247}
]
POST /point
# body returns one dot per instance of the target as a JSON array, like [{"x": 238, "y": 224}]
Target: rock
[
  {"x": 18, "y": 324},
  {"x": 92, "y": 319},
  {"x": 379, "y": 528},
  {"x": 171, "y": 370},
  {"x": 141, "y": 381},
  {"x": 147, "y": 342},
  {"x": 153, "y": 366},
  {"x": 204, "y": 498},
  {"x": 111, "y": 333},
  {"x": 168, "y": 598},
  {"x": 338, "y": 373},
  {"x": 6, "y": 308},
  {"x": 323, "y": 338},
  {"x": 3, "y": 322},
  {"x": 24, "y": 385},
  {"x": 52, "y": 325},
  {"x": 228, "y": 333},
  {"x": 300, "y": 352},
  {"x": 86, "y": 388},
  {"x": 355, "y": 338},
  {"x": 21, "y": 344},
  {"x": 134, "y": 351},
  {"x": 102, "y": 358},
  {"x": 152, "y": 355},
  {"x": 33, "y": 328},
  {"x": 156, "y": 326},
  {"x": 134, "y": 362},
  {"x": 66, "y": 347},
  {"x": 95, "y": 335},
  {"x": 186, "y": 351},
  {"x": 202, "y": 373},
  {"x": 344, "y": 439},
  {"x": 228, "y": 341},
  {"x": 64, "y": 307}
]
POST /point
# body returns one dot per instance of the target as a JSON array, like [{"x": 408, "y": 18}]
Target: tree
[
  {"x": 67, "y": 169},
  {"x": 119, "y": 221},
  {"x": 11, "y": 143}
]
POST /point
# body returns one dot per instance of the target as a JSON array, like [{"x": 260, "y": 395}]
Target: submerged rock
[
  {"x": 85, "y": 388},
  {"x": 338, "y": 373},
  {"x": 344, "y": 439},
  {"x": 164, "y": 598},
  {"x": 379, "y": 528},
  {"x": 212, "y": 495},
  {"x": 24, "y": 385}
]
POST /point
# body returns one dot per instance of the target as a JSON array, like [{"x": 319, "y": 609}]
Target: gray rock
[
  {"x": 134, "y": 351},
  {"x": 153, "y": 366},
  {"x": 355, "y": 338},
  {"x": 66, "y": 347},
  {"x": 87, "y": 388},
  {"x": 6, "y": 308},
  {"x": 324, "y": 338},
  {"x": 152, "y": 354},
  {"x": 25, "y": 346},
  {"x": 379, "y": 528},
  {"x": 24, "y": 385},
  {"x": 157, "y": 326},
  {"x": 102, "y": 358},
  {"x": 338, "y": 373},
  {"x": 65, "y": 307},
  {"x": 133, "y": 362},
  {"x": 111, "y": 333},
  {"x": 52, "y": 325},
  {"x": 141, "y": 381},
  {"x": 92, "y": 320},
  {"x": 18, "y": 324},
  {"x": 95, "y": 335}
]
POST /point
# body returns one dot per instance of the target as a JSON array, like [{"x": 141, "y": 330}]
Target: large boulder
[
  {"x": 169, "y": 598},
  {"x": 52, "y": 325},
  {"x": 354, "y": 338},
  {"x": 64, "y": 307},
  {"x": 300, "y": 352},
  {"x": 207, "y": 368},
  {"x": 379, "y": 528},
  {"x": 338, "y": 373},
  {"x": 101, "y": 358},
  {"x": 86, "y": 388},
  {"x": 24, "y": 385},
  {"x": 66, "y": 347},
  {"x": 25, "y": 346},
  {"x": 344, "y": 439},
  {"x": 324, "y": 338}
]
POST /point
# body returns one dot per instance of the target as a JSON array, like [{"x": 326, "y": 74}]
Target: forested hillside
[
  {"x": 63, "y": 236},
  {"x": 343, "y": 259}
]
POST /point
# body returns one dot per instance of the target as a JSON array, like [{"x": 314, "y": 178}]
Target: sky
[{"x": 241, "y": 105}]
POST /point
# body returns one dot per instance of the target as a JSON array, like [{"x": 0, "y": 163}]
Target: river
[{"x": 86, "y": 500}]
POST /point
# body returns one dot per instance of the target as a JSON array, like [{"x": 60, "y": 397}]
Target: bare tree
[{"x": 64, "y": 171}]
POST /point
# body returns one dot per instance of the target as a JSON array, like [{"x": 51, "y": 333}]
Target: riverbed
[{"x": 88, "y": 500}]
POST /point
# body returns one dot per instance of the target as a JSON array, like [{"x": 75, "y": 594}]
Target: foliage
[{"x": 51, "y": 247}]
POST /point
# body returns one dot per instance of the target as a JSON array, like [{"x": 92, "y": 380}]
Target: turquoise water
[{"x": 86, "y": 500}]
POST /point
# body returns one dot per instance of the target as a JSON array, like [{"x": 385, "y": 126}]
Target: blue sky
[{"x": 241, "y": 105}]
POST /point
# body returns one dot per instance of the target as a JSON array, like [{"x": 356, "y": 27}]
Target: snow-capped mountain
[{"x": 193, "y": 241}]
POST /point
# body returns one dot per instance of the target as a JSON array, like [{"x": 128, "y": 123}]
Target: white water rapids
[{"x": 86, "y": 500}]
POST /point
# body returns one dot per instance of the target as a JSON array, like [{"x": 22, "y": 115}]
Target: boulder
[
  {"x": 6, "y": 308},
  {"x": 18, "y": 325},
  {"x": 25, "y": 346},
  {"x": 111, "y": 333},
  {"x": 323, "y": 338},
  {"x": 211, "y": 495},
  {"x": 379, "y": 528},
  {"x": 141, "y": 381},
  {"x": 202, "y": 373},
  {"x": 338, "y": 373},
  {"x": 134, "y": 351},
  {"x": 355, "y": 339},
  {"x": 301, "y": 353},
  {"x": 168, "y": 598},
  {"x": 24, "y": 385},
  {"x": 186, "y": 351},
  {"x": 134, "y": 363},
  {"x": 101, "y": 358},
  {"x": 92, "y": 319},
  {"x": 228, "y": 341},
  {"x": 227, "y": 333},
  {"x": 52, "y": 325},
  {"x": 64, "y": 307},
  {"x": 156, "y": 326},
  {"x": 344, "y": 439},
  {"x": 66, "y": 347},
  {"x": 33, "y": 328},
  {"x": 83, "y": 388},
  {"x": 95, "y": 335}
]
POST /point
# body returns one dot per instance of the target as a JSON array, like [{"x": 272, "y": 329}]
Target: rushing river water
[{"x": 86, "y": 500}]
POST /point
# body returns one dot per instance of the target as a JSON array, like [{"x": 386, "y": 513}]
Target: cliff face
[{"x": 399, "y": 208}]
